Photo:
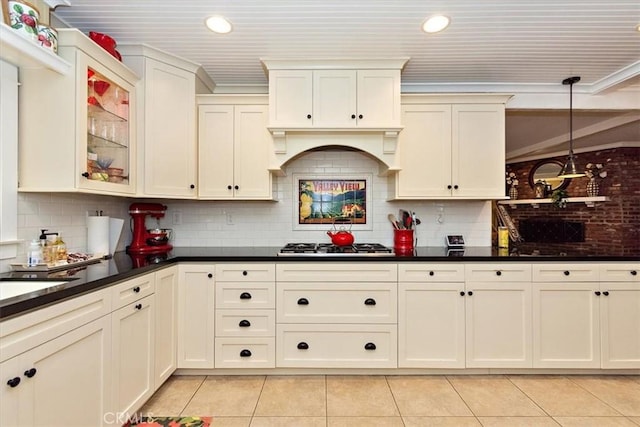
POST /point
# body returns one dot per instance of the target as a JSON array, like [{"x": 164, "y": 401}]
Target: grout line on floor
[
  {"x": 393, "y": 396},
  {"x": 461, "y": 398},
  {"x": 253, "y": 413},
  {"x": 508, "y": 377},
  {"x": 591, "y": 393},
  {"x": 192, "y": 395}
]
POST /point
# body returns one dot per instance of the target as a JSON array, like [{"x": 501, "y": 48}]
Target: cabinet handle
[
  {"x": 498, "y": 273},
  {"x": 308, "y": 116},
  {"x": 461, "y": 293},
  {"x": 245, "y": 353},
  {"x": 634, "y": 273},
  {"x": 597, "y": 293},
  {"x": 605, "y": 293},
  {"x": 303, "y": 346},
  {"x": 244, "y": 324},
  {"x": 470, "y": 293},
  {"x": 353, "y": 116},
  {"x": 86, "y": 175},
  {"x": 566, "y": 272},
  {"x": 245, "y": 295},
  {"x": 369, "y": 301},
  {"x": 210, "y": 275},
  {"x": 13, "y": 382},
  {"x": 369, "y": 346},
  {"x": 431, "y": 273},
  {"x": 136, "y": 289},
  {"x": 455, "y": 187},
  {"x": 138, "y": 306},
  {"x": 449, "y": 187},
  {"x": 245, "y": 272},
  {"x": 192, "y": 186},
  {"x": 30, "y": 373},
  {"x": 235, "y": 187},
  {"x": 360, "y": 116},
  {"x": 229, "y": 187},
  {"x": 303, "y": 301}
]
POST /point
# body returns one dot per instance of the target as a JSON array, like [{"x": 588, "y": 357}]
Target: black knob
[
  {"x": 461, "y": 293},
  {"x": 86, "y": 175},
  {"x": 634, "y": 273},
  {"x": 353, "y": 116},
  {"x": 597, "y": 293},
  {"x": 470, "y": 293},
  {"x": 360, "y": 116},
  {"x": 229, "y": 187},
  {"x": 455, "y": 187},
  {"x": 308, "y": 116},
  {"x": 369, "y": 301},
  {"x": 235, "y": 187},
  {"x": 138, "y": 306},
  {"x": 244, "y": 324},
  {"x": 244, "y": 273},
  {"x": 303, "y": 346},
  {"x": 245, "y": 295},
  {"x": 369, "y": 346},
  {"x": 449, "y": 187},
  {"x": 245, "y": 353},
  {"x": 30, "y": 373},
  {"x": 431, "y": 273},
  {"x": 303, "y": 301},
  {"x": 498, "y": 273},
  {"x": 192, "y": 186},
  {"x": 136, "y": 289},
  {"x": 567, "y": 272},
  {"x": 210, "y": 275},
  {"x": 605, "y": 293},
  {"x": 13, "y": 382}
]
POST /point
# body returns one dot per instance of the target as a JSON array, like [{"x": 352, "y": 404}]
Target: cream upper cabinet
[
  {"x": 334, "y": 95},
  {"x": 451, "y": 147},
  {"x": 235, "y": 148},
  {"x": 77, "y": 130},
  {"x": 168, "y": 156}
]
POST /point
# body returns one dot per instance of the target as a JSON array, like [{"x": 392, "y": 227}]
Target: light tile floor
[{"x": 396, "y": 401}]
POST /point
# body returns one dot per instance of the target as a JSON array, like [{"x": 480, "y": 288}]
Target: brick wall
[{"x": 610, "y": 227}]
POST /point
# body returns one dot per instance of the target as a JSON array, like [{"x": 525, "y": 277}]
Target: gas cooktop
[{"x": 329, "y": 249}]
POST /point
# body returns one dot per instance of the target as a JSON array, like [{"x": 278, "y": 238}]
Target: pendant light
[{"x": 569, "y": 170}]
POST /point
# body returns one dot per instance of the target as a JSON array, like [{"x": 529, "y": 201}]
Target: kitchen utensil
[
  {"x": 341, "y": 236},
  {"x": 393, "y": 221}
]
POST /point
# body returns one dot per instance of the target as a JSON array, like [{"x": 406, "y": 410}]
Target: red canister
[{"x": 403, "y": 242}]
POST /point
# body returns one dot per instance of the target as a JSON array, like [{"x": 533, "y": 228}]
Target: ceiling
[{"x": 495, "y": 45}]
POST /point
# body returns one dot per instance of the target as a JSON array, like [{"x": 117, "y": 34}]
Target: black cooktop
[{"x": 331, "y": 249}]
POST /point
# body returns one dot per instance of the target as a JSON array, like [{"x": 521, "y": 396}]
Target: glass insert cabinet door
[{"x": 108, "y": 130}]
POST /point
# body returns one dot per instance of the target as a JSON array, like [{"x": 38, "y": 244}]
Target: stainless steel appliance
[{"x": 329, "y": 249}]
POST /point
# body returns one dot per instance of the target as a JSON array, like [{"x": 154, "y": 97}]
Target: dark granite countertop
[{"x": 122, "y": 267}]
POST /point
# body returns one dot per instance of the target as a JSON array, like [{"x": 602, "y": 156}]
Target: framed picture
[{"x": 323, "y": 201}]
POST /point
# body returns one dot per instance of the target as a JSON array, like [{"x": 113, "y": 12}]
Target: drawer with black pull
[
  {"x": 245, "y": 323},
  {"x": 244, "y": 352},
  {"x": 245, "y": 295}
]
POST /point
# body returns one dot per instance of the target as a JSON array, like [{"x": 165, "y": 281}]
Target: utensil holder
[{"x": 403, "y": 241}]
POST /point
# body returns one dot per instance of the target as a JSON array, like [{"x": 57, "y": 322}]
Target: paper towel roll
[{"x": 98, "y": 235}]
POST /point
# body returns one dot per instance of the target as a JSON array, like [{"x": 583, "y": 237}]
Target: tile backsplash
[{"x": 258, "y": 223}]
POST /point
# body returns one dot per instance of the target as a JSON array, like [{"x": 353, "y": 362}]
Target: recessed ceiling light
[
  {"x": 218, "y": 24},
  {"x": 435, "y": 24}
]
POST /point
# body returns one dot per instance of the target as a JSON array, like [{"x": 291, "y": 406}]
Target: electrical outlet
[{"x": 177, "y": 217}]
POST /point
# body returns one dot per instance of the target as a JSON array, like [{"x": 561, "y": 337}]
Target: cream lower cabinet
[
  {"x": 235, "y": 148},
  {"x": 59, "y": 370},
  {"x": 133, "y": 343},
  {"x": 166, "y": 328},
  {"x": 245, "y": 324},
  {"x": 336, "y": 315},
  {"x": 498, "y": 315},
  {"x": 566, "y": 316},
  {"x": 196, "y": 318},
  {"x": 431, "y": 315},
  {"x": 620, "y": 325},
  {"x": 444, "y": 139}
]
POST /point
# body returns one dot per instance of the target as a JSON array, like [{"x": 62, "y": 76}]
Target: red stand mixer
[{"x": 148, "y": 242}]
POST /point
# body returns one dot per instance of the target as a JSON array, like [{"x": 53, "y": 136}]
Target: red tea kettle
[{"x": 341, "y": 237}]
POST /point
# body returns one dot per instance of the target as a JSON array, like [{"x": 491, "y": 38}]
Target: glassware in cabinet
[{"x": 108, "y": 129}]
